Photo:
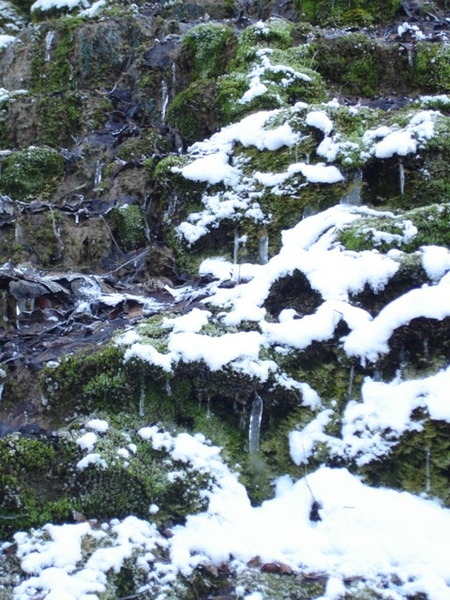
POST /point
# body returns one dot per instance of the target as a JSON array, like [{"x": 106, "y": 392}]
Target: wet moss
[
  {"x": 31, "y": 173},
  {"x": 350, "y": 60},
  {"x": 60, "y": 119}
]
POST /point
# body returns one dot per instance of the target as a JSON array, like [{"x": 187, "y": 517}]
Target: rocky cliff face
[{"x": 228, "y": 219}]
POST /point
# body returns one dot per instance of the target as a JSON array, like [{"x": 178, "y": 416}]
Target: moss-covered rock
[
  {"x": 407, "y": 231},
  {"x": 31, "y": 173},
  {"x": 207, "y": 44},
  {"x": 431, "y": 67},
  {"x": 323, "y": 12},
  {"x": 129, "y": 225}
]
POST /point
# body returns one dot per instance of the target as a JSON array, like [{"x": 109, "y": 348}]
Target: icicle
[
  {"x": 409, "y": 53},
  {"x": 172, "y": 204},
  {"x": 236, "y": 247},
  {"x": 98, "y": 174},
  {"x": 427, "y": 471},
  {"x": 168, "y": 387},
  {"x": 18, "y": 233},
  {"x": 254, "y": 429},
  {"x": 350, "y": 382},
  {"x": 263, "y": 249},
  {"x": 174, "y": 78},
  {"x": 48, "y": 44},
  {"x": 142, "y": 400},
  {"x": 401, "y": 174},
  {"x": 208, "y": 407},
  {"x": 57, "y": 232},
  {"x": 165, "y": 99},
  {"x": 354, "y": 196},
  {"x": 238, "y": 241}
]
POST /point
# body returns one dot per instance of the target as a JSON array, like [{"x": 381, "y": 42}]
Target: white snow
[
  {"x": 391, "y": 540},
  {"x": 99, "y": 425},
  {"x": 372, "y": 338},
  {"x": 320, "y": 120},
  {"x": 49, "y": 4},
  {"x": 87, "y": 441},
  {"x": 394, "y": 541},
  {"x": 5, "y": 40}
]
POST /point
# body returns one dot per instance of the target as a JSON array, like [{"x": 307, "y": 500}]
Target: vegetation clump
[
  {"x": 408, "y": 231},
  {"x": 208, "y": 44},
  {"x": 129, "y": 225},
  {"x": 31, "y": 173}
]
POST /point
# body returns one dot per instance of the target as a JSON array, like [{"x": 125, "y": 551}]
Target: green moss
[
  {"x": 324, "y": 12},
  {"x": 60, "y": 118},
  {"x": 352, "y": 61},
  {"x": 32, "y": 475},
  {"x": 431, "y": 70},
  {"x": 274, "y": 33},
  {"x": 57, "y": 74},
  {"x": 419, "y": 463},
  {"x": 31, "y": 173},
  {"x": 129, "y": 226},
  {"x": 207, "y": 45},
  {"x": 387, "y": 232},
  {"x": 289, "y": 82},
  {"x": 193, "y": 111},
  {"x": 357, "y": 17},
  {"x": 88, "y": 381}
]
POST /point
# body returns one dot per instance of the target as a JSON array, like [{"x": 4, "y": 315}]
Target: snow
[
  {"x": 87, "y": 441},
  {"x": 403, "y": 556},
  {"x": 365, "y": 534},
  {"x": 320, "y": 120},
  {"x": 5, "y": 40},
  {"x": 49, "y": 4},
  {"x": 212, "y": 168},
  {"x": 99, "y": 425},
  {"x": 372, "y": 338}
]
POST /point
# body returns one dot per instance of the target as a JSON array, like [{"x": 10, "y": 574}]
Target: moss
[
  {"x": 352, "y": 61},
  {"x": 34, "y": 474},
  {"x": 143, "y": 147},
  {"x": 129, "y": 226},
  {"x": 324, "y": 12},
  {"x": 357, "y": 17},
  {"x": 289, "y": 82},
  {"x": 419, "y": 463},
  {"x": 207, "y": 45},
  {"x": 57, "y": 74},
  {"x": 193, "y": 111},
  {"x": 431, "y": 70},
  {"x": 30, "y": 173},
  {"x": 387, "y": 232},
  {"x": 88, "y": 381},
  {"x": 274, "y": 33},
  {"x": 60, "y": 119}
]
